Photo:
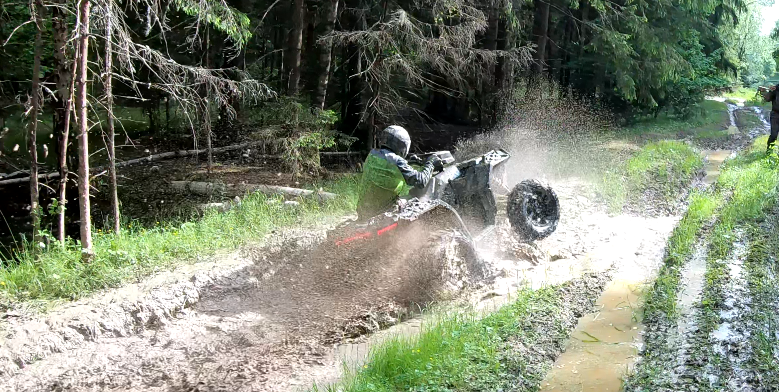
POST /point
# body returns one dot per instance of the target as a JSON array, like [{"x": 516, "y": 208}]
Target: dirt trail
[
  {"x": 268, "y": 326},
  {"x": 606, "y": 343},
  {"x": 697, "y": 348},
  {"x": 281, "y": 318},
  {"x": 602, "y": 345},
  {"x": 587, "y": 240}
]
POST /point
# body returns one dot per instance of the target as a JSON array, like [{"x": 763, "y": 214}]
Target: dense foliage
[
  {"x": 308, "y": 75},
  {"x": 375, "y": 61}
]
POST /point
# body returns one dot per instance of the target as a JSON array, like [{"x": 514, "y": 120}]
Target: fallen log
[
  {"x": 14, "y": 174},
  {"x": 163, "y": 156},
  {"x": 232, "y": 190}
]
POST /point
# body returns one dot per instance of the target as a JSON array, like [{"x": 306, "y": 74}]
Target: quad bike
[{"x": 459, "y": 197}]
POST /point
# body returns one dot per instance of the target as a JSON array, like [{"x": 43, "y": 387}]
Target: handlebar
[{"x": 420, "y": 159}]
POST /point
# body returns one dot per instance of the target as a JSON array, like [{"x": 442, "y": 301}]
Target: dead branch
[
  {"x": 164, "y": 156},
  {"x": 231, "y": 190}
]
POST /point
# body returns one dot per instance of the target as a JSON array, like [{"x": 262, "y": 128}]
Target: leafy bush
[{"x": 296, "y": 133}]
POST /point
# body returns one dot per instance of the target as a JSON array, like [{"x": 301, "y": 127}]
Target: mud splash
[{"x": 588, "y": 240}]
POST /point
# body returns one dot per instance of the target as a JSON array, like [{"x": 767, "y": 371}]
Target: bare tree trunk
[
  {"x": 278, "y": 34},
  {"x": 294, "y": 44},
  {"x": 36, "y": 7},
  {"x": 353, "y": 18},
  {"x": 207, "y": 108},
  {"x": 207, "y": 130},
  {"x": 83, "y": 128},
  {"x": 109, "y": 103},
  {"x": 487, "y": 86},
  {"x": 63, "y": 107},
  {"x": 167, "y": 114},
  {"x": 493, "y": 18},
  {"x": 325, "y": 54},
  {"x": 583, "y": 30},
  {"x": 503, "y": 69},
  {"x": 540, "y": 32}
]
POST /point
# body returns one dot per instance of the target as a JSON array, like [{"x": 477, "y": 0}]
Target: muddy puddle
[
  {"x": 714, "y": 159},
  {"x": 606, "y": 343},
  {"x": 603, "y": 345}
]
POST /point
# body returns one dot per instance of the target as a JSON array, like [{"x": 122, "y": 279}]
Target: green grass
[
  {"x": 660, "y": 302},
  {"x": 58, "y": 273},
  {"x": 712, "y": 113},
  {"x": 661, "y": 168},
  {"x": 461, "y": 352},
  {"x": 748, "y": 95},
  {"x": 763, "y": 287},
  {"x": 711, "y": 135},
  {"x": 744, "y": 93},
  {"x": 752, "y": 181},
  {"x": 746, "y": 189}
]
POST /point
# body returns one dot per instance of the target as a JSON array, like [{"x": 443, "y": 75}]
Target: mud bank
[
  {"x": 508, "y": 349},
  {"x": 30, "y": 334},
  {"x": 706, "y": 333}
]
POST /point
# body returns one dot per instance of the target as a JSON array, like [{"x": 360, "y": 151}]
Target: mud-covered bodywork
[
  {"x": 467, "y": 187},
  {"x": 460, "y": 197}
]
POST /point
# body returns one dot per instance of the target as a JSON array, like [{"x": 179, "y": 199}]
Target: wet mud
[
  {"x": 603, "y": 346},
  {"x": 280, "y": 321},
  {"x": 709, "y": 343},
  {"x": 714, "y": 159},
  {"x": 283, "y": 319}
]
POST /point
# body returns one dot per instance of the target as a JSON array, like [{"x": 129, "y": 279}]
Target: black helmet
[{"x": 396, "y": 139}]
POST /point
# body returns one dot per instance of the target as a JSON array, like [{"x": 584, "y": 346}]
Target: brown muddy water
[
  {"x": 714, "y": 159},
  {"x": 603, "y": 345}
]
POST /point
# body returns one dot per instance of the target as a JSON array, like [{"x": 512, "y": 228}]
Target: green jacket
[{"x": 385, "y": 177}]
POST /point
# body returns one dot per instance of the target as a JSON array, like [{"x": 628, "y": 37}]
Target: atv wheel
[{"x": 533, "y": 210}]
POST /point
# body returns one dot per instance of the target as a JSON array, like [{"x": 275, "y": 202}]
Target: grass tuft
[
  {"x": 660, "y": 170},
  {"x": 462, "y": 352}
]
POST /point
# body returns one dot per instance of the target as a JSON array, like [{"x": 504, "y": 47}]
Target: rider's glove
[{"x": 435, "y": 161}]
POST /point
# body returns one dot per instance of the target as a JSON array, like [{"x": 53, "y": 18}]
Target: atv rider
[{"x": 387, "y": 175}]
